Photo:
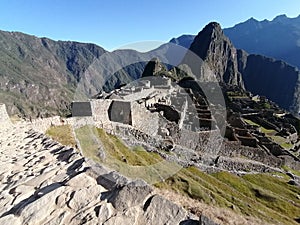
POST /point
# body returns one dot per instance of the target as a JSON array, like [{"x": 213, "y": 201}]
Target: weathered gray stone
[
  {"x": 130, "y": 195},
  {"x": 159, "y": 210},
  {"x": 10, "y": 219},
  {"x": 104, "y": 212},
  {"x": 81, "y": 180},
  {"x": 112, "y": 180},
  {"x": 204, "y": 220},
  {"x": 4, "y": 118},
  {"x": 57, "y": 217},
  {"x": 83, "y": 197},
  {"x": 40, "y": 209},
  {"x": 120, "y": 219}
]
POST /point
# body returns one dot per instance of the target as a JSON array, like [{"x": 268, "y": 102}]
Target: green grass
[
  {"x": 237, "y": 94},
  {"x": 137, "y": 156},
  {"x": 282, "y": 141},
  {"x": 288, "y": 169},
  {"x": 262, "y": 129},
  {"x": 259, "y": 195},
  {"x": 250, "y": 122},
  {"x": 265, "y": 196},
  {"x": 62, "y": 134},
  {"x": 272, "y": 134},
  {"x": 89, "y": 143},
  {"x": 133, "y": 162}
]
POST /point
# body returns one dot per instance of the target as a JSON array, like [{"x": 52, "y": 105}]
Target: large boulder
[
  {"x": 159, "y": 210},
  {"x": 130, "y": 195}
]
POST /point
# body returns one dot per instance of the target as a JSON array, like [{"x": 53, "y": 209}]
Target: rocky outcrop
[
  {"x": 154, "y": 67},
  {"x": 43, "y": 182},
  {"x": 204, "y": 220},
  {"x": 218, "y": 60},
  {"x": 218, "y": 55}
]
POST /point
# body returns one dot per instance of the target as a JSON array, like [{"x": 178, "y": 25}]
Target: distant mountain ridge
[{"x": 278, "y": 38}]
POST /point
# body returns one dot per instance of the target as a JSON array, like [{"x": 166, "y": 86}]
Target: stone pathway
[{"x": 43, "y": 182}]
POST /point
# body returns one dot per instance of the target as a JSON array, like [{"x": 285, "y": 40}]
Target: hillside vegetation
[{"x": 268, "y": 197}]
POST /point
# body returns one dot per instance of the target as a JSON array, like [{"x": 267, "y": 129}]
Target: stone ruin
[
  {"x": 155, "y": 107},
  {"x": 177, "y": 118}
]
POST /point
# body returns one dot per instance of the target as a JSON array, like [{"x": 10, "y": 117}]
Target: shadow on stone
[
  {"x": 204, "y": 220},
  {"x": 189, "y": 222},
  {"x": 17, "y": 209}
]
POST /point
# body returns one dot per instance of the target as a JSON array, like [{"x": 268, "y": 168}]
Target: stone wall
[
  {"x": 290, "y": 162},
  {"x": 247, "y": 141},
  {"x": 235, "y": 149},
  {"x": 81, "y": 109},
  {"x": 204, "y": 141},
  {"x": 139, "y": 95},
  {"x": 100, "y": 113},
  {"x": 243, "y": 165},
  {"x": 134, "y": 136},
  {"x": 42, "y": 125},
  {"x": 120, "y": 111},
  {"x": 144, "y": 120}
]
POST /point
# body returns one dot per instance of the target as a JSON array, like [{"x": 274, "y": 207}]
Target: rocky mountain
[
  {"x": 218, "y": 55},
  {"x": 275, "y": 79},
  {"x": 183, "y": 40}
]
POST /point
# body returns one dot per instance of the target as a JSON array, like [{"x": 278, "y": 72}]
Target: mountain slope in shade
[
  {"x": 275, "y": 79},
  {"x": 183, "y": 40},
  {"x": 279, "y": 38}
]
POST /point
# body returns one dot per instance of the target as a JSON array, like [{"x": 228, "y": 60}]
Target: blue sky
[{"x": 114, "y": 23}]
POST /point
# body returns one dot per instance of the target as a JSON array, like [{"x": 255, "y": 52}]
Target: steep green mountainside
[{"x": 40, "y": 77}]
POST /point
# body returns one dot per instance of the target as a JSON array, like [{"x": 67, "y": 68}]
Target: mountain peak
[
  {"x": 212, "y": 28},
  {"x": 280, "y": 18},
  {"x": 252, "y": 19},
  {"x": 218, "y": 53},
  {"x": 213, "y": 25},
  {"x": 154, "y": 67}
]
